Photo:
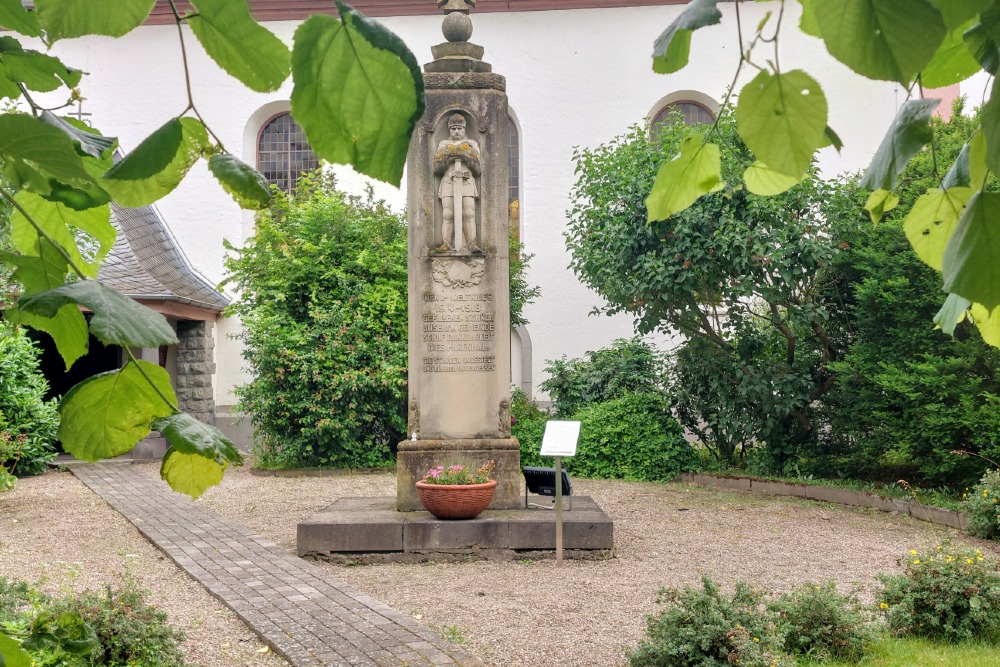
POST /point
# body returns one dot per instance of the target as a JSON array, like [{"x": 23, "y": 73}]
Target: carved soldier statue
[{"x": 457, "y": 162}]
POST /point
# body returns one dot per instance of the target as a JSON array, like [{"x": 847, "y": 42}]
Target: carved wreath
[{"x": 457, "y": 273}]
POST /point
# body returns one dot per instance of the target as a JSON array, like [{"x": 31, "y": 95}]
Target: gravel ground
[{"x": 510, "y": 613}]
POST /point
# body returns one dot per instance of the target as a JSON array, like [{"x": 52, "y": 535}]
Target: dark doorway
[{"x": 99, "y": 358}]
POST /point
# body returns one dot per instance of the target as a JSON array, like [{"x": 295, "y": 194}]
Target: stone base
[
  {"x": 415, "y": 457},
  {"x": 372, "y": 525}
]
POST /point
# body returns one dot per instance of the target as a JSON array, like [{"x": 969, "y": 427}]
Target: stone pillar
[
  {"x": 195, "y": 370},
  {"x": 459, "y": 312}
]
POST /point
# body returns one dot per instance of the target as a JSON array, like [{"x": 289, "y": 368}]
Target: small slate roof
[{"x": 146, "y": 263}]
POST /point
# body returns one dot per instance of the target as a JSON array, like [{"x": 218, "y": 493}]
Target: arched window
[
  {"x": 688, "y": 112},
  {"x": 283, "y": 152},
  {"x": 514, "y": 178}
]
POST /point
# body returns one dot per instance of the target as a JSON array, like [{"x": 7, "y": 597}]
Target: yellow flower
[
  {"x": 916, "y": 561},
  {"x": 883, "y": 605},
  {"x": 756, "y": 639},
  {"x": 913, "y": 552},
  {"x": 969, "y": 561},
  {"x": 949, "y": 559}
]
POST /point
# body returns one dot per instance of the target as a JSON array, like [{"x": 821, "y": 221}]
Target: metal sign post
[{"x": 560, "y": 440}]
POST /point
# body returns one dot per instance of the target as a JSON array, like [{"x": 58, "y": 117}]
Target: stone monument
[{"x": 459, "y": 312}]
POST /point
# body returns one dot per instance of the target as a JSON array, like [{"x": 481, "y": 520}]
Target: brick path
[{"x": 302, "y": 613}]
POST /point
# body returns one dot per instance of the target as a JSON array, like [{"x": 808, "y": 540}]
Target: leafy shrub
[
  {"x": 703, "y": 628},
  {"x": 947, "y": 594},
  {"x": 324, "y": 294},
  {"x": 628, "y": 366},
  {"x": 817, "y": 621},
  {"x": 982, "y": 508},
  {"x": 527, "y": 424},
  {"x": 28, "y": 423},
  {"x": 130, "y": 632}
]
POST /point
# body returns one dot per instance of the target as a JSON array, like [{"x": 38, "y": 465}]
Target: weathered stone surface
[
  {"x": 778, "y": 488},
  {"x": 425, "y": 533},
  {"x": 464, "y": 81},
  {"x": 415, "y": 458}
]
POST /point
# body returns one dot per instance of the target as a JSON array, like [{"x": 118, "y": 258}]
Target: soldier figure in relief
[{"x": 457, "y": 162}]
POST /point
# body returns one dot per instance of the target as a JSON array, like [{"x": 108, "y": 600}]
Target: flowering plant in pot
[{"x": 455, "y": 492}]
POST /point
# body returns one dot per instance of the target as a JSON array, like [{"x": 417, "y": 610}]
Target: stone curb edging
[
  {"x": 318, "y": 472},
  {"x": 829, "y": 494}
]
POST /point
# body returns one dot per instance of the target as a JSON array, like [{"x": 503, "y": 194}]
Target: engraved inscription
[{"x": 458, "y": 332}]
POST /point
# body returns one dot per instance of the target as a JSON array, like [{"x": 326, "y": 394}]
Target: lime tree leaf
[
  {"x": 953, "y": 311},
  {"x": 831, "y": 138},
  {"x": 983, "y": 47},
  {"x": 988, "y": 323},
  {"x": 958, "y": 174},
  {"x": 989, "y": 127},
  {"x": 72, "y": 18},
  {"x": 952, "y": 62},
  {"x": 909, "y": 132},
  {"x": 191, "y": 474},
  {"x": 680, "y": 182},
  {"x": 190, "y": 436},
  {"x": 117, "y": 320},
  {"x": 969, "y": 167},
  {"x": 672, "y": 48},
  {"x": 879, "y": 203},
  {"x": 247, "y": 50},
  {"x": 106, "y": 415},
  {"x": 782, "y": 120},
  {"x": 37, "y": 71},
  {"x": 87, "y": 141},
  {"x": 889, "y": 40},
  {"x": 14, "y": 16},
  {"x": 11, "y": 654},
  {"x": 59, "y": 222},
  {"x": 762, "y": 180},
  {"x": 158, "y": 164},
  {"x": 971, "y": 264},
  {"x": 247, "y": 185},
  {"x": 931, "y": 221},
  {"x": 34, "y": 152},
  {"x": 958, "y": 12},
  {"x": 358, "y": 93},
  {"x": 808, "y": 23}
]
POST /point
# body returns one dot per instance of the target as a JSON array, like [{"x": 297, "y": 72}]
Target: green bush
[
  {"x": 703, "y": 628},
  {"x": 628, "y": 366},
  {"x": 816, "y": 621},
  {"x": 527, "y": 424},
  {"x": 28, "y": 423},
  {"x": 981, "y": 506},
  {"x": 630, "y": 437},
  {"x": 946, "y": 594},
  {"x": 323, "y": 301}
]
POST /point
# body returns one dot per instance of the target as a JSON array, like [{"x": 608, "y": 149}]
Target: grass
[{"x": 893, "y": 652}]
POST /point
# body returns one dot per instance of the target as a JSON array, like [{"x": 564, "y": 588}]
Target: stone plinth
[
  {"x": 415, "y": 458},
  {"x": 372, "y": 525}
]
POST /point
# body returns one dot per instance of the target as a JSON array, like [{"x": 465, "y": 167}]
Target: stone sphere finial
[{"x": 457, "y": 27}]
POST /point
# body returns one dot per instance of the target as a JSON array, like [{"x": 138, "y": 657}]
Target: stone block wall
[{"x": 195, "y": 370}]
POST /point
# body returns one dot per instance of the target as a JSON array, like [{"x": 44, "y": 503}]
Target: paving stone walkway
[{"x": 296, "y": 608}]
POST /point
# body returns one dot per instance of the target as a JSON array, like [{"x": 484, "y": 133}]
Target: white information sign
[{"x": 560, "y": 438}]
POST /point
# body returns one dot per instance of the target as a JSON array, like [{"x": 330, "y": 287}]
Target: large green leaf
[
  {"x": 671, "y": 50},
  {"x": 909, "y": 132},
  {"x": 60, "y": 224},
  {"x": 680, "y": 182},
  {"x": 958, "y": 12},
  {"x": 241, "y": 46},
  {"x": 14, "y": 16},
  {"x": 983, "y": 48},
  {"x": 34, "y": 152},
  {"x": 247, "y": 185},
  {"x": 117, "y": 320},
  {"x": 11, "y": 654},
  {"x": 971, "y": 264},
  {"x": 890, "y": 40},
  {"x": 37, "y": 71},
  {"x": 969, "y": 168},
  {"x": 190, "y": 436},
  {"x": 952, "y": 62},
  {"x": 782, "y": 119},
  {"x": 73, "y": 18},
  {"x": 988, "y": 323},
  {"x": 953, "y": 311},
  {"x": 358, "y": 93},
  {"x": 932, "y": 219},
  {"x": 879, "y": 203},
  {"x": 808, "y": 23},
  {"x": 158, "y": 164},
  {"x": 989, "y": 120},
  {"x": 106, "y": 415},
  {"x": 88, "y": 142},
  {"x": 190, "y": 473},
  {"x": 762, "y": 180}
]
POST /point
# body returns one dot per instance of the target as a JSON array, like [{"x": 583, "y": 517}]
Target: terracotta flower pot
[{"x": 456, "y": 501}]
